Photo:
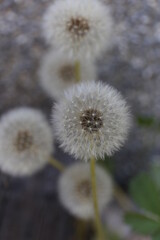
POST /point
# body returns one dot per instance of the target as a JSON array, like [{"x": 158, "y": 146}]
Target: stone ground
[{"x": 29, "y": 207}]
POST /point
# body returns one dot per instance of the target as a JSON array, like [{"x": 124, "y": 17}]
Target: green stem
[
  {"x": 77, "y": 72},
  {"x": 55, "y": 163},
  {"x": 98, "y": 223}
]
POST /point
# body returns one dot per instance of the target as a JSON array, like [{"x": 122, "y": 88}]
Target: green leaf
[
  {"x": 141, "y": 223},
  {"x": 145, "y": 193},
  {"x": 146, "y": 121},
  {"x": 114, "y": 237},
  {"x": 156, "y": 237},
  {"x": 155, "y": 173}
]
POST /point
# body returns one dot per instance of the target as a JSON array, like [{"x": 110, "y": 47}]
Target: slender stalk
[
  {"x": 123, "y": 199},
  {"x": 98, "y": 223},
  {"x": 127, "y": 204},
  {"x": 77, "y": 72},
  {"x": 55, "y": 163}
]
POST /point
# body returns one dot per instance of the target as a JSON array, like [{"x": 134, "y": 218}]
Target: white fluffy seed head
[
  {"x": 75, "y": 190},
  {"x": 25, "y": 142},
  {"x": 91, "y": 120},
  {"x": 57, "y": 72},
  {"x": 81, "y": 28}
]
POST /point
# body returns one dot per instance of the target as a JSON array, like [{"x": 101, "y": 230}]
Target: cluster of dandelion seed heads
[
  {"x": 26, "y": 142},
  {"x": 75, "y": 190},
  {"x": 57, "y": 72},
  {"x": 80, "y": 28},
  {"x": 91, "y": 120}
]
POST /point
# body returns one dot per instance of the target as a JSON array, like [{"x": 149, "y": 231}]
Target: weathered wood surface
[{"x": 29, "y": 209}]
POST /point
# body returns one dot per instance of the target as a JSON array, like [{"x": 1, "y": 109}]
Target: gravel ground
[{"x": 132, "y": 66}]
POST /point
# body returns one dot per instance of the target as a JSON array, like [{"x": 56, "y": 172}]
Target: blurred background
[{"x": 29, "y": 208}]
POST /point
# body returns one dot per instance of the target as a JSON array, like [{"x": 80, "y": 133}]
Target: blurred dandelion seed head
[
  {"x": 75, "y": 190},
  {"x": 26, "y": 141},
  {"x": 80, "y": 28},
  {"x": 57, "y": 72}
]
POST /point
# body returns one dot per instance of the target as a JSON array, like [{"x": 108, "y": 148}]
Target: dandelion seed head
[
  {"x": 57, "y": 73},
  {"x": 75, "y": 190},
  {"x": 91, "y": 128},
  {"x": 80, "y": 28},
  {"x": 26, "y": 142}
]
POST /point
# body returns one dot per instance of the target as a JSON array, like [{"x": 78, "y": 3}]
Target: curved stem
[
  {"x": 98, "y": 224},
  {"x": 123, "y": 199},
  {"x": 55, "y": 163},
  {"x": 77, "y": 71}
]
